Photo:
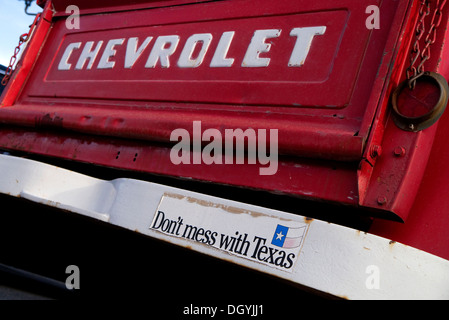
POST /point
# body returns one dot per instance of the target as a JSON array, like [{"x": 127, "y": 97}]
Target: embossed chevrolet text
[{"x": 193, "y": 53}]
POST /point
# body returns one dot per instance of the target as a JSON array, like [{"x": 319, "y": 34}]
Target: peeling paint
[
  {"x": 308, "y": 220},
  {"x": 230, "y": 209}
]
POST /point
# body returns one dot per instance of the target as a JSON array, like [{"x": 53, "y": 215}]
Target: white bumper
[{"x": 326, "y": 257}]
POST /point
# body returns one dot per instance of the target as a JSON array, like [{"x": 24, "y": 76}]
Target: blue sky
[{"x": 13, "y": 23}]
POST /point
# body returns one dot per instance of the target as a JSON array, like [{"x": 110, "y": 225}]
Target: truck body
[{"x": 273, "y": 136}]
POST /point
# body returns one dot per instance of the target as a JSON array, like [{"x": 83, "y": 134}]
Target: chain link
[
  {"x": 23, "y": 38},
  {"x": 414, "y": 72}
]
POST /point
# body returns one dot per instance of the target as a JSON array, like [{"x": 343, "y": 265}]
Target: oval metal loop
[
  {"x": 24, "y": 37},
  {"x": 421, "y": 122}
]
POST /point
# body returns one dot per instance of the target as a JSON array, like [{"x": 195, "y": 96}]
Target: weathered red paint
[
  {"x": 16, "y": 82},
  {"x": 428, "y": 221},
  {"x": 397, "y": 178},
  {"x": 337, "y": 140},
  {"x": 314, "y": 119}
]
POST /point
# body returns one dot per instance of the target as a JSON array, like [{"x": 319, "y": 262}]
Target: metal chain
[
  {"x": 23, "y": 38},
  {"x": 414, "y": 72}
]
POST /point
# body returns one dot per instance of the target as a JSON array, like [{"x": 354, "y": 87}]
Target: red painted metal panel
[
  {"x": 102, "y": 6},
  {"x": 237, "y": 84},
  {"x": 318, "y": 107},
  {"x": 311, "y": 179},
  {"x": 391, "y": 181},
  {"x": 428, "y": 220},
  {"x": 23, "y": 68},
  {"x": 161, "y": 65}
]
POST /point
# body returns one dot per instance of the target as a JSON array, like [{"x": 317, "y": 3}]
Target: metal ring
[{"x": 422, "y": 122}]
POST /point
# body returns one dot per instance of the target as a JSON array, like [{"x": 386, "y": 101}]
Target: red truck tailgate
[{"x": 113, "y": 91}]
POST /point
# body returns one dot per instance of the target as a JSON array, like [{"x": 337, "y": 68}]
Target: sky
[{"x": 13, "y": 23}]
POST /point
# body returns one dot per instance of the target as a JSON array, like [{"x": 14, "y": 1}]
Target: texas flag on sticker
[{"x": 286, "y": 237}]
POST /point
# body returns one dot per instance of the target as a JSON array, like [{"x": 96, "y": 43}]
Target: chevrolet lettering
[{"x": 100, "y": 54}]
